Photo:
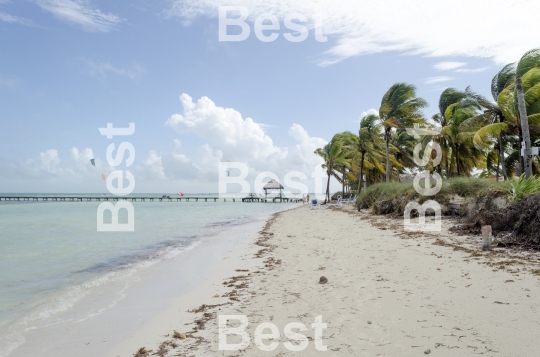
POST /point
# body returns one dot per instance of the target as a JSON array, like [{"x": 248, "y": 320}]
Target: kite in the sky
[
  {"x": 181, "y": 194},
  {"x": 93, "y": 162},
  {"x": 103, "y": 177}
]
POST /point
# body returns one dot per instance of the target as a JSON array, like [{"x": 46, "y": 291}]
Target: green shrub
[
  {"x": 401, "y": 193},
  {"x": 522, "y": 187},
  {"x": 473, "y": 187}
]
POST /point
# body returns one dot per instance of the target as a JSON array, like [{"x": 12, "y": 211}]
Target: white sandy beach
[{"x": 388, "y": 293}]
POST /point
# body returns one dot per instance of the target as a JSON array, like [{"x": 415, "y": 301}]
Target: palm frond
[{"x": 482, "y": 137}]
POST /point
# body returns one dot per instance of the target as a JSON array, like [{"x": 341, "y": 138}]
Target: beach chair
[
  {"x": 315, "y": 204},
  {"x": 350, "y": 200}
]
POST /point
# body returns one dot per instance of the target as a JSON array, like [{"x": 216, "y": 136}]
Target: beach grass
[{"x": 467, "y": 188}]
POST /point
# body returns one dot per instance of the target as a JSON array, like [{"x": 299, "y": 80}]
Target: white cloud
[
  {"x": 446, "y": 66},
  {"x": 83, "y": 156},
  {"x": 152, "y": 167},
  {"x": 415, "y": 27},
  {"x": 433, "y": 80},
  {"x": 458, "y": 67},
  {"x": 79, "y": 12},
  {"x": 48, "y": 164},
  {"x": 80, "y": 161},
  {"x": 239, "y": 139},
  {"x": 13, "y": 19},
  {"x": 369, "y": 112},
  {"x": 101, "y": 70},
  {"x": 231, "y": 137}
]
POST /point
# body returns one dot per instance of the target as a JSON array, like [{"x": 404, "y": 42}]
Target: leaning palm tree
[
  {"x": 491, "y": 127},
  {"x": 505, "y": 91},
  {"x": 529, "y": 63},
  {"x": 367, "y": 148},
  {"x": 507, "y": 101},
  {"x": 333, "y": 156},
  {"x": 400, "y": 109},
  {"x": 448, "y": 97},
  {"x": 403, "y": 146},
  {"x": 459, "y": 135},
  {"x": 347, "y": 139}
]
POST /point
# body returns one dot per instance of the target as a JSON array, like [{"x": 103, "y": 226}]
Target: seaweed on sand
[
  {"x": 142, "y": 352},
  {"x": 516, "y": 223}
]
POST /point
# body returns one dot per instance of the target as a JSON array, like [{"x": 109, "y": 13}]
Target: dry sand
[{"x": 389, "y": 293}]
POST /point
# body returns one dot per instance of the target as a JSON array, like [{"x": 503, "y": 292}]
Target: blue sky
[{"x": 68, "y": 67}]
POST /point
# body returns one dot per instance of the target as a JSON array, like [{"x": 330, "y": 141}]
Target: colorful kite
[
  {"x": 93, "y": 162},
  {"x": 103, "y": 177}
]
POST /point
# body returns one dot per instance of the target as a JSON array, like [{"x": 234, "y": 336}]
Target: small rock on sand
[
  {"x": 323, "y": 280},
  {"x": 428, "y": 351}
]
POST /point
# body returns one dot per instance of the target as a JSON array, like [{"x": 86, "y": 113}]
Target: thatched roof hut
[{"x": 272, "y": 185}]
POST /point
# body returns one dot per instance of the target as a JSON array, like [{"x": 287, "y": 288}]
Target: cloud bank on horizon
[
  {"x": 228, "y": 136},
  {"x": 502, "y": 31}
]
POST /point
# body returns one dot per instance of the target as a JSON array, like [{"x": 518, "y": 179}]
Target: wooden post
[{"x": 486, "y": 238}]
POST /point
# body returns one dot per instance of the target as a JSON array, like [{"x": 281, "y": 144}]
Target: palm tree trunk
[
  {"x": 501, "y": 157},
  {"x": 457, "y": 160},
  {"x": 521, "y": 166},
  {"x": 387, "y": 137},
  {"x": 527, "y": 158},
  {"x": 361, "y": 174},
  {"x": 434, "y": 154},
  {"x": 498, "y": 165},
  {"x": 446, "y": 167},
  {"x": 343, "y": 183},
  {"x": 327, "y": 198}
]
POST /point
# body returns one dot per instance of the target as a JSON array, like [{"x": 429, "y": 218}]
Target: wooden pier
[{"x": 145, "y": 199}]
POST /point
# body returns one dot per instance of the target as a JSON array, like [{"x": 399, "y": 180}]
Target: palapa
[{"x": 272, "y": 185}]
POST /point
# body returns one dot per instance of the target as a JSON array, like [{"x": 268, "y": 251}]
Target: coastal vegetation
[{"x": 481, "y": 140}]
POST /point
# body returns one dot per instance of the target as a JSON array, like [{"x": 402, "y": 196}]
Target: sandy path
[{"x": 386, "y": 295}]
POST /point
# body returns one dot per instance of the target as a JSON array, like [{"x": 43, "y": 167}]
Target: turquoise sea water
[{"x": 51, "y": 254}]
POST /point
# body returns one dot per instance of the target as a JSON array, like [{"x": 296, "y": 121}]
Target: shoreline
[
  {"x": 179, "y": 313},
  {"x": 388, "y": 293},
  {"x": 120, "y": 307}
]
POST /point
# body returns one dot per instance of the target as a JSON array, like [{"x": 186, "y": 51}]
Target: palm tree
[
  {"x": 402, "y": 145},
  {"x": 333, "y": 157},
  {"x": 448, "y": 97},
  {"x": 367, "y": 148},
  {"x": 528, "y": 69},
  {"x": 346, "y": 138},
  {"x": 491, "y": 125},
  {"x": 528, "y": 64},
  {"x": 400, "y": 109},
  {"x": 459, "y": 135}
]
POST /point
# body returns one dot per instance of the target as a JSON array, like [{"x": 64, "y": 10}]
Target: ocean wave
[{"x": 65, "y": 299}]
